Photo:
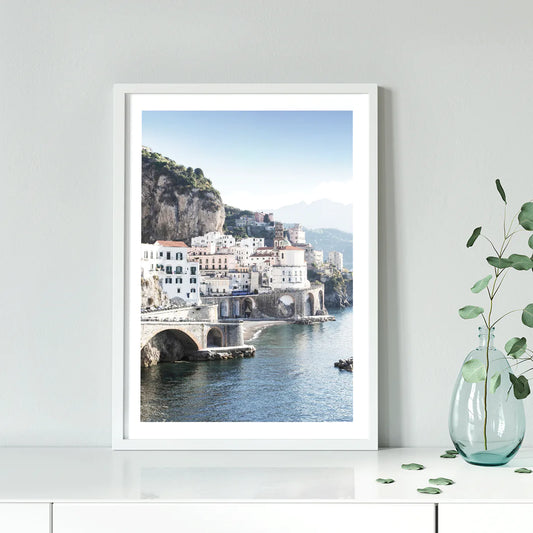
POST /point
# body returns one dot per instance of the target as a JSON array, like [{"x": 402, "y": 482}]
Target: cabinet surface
[
  {"x": 244, "y": 518},
  {"x": 25, "y": 517}
]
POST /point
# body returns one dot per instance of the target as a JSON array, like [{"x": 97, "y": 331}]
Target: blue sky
[{"x": 260, "y": 159}]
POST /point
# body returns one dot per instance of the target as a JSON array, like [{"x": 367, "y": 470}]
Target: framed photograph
[{"x": 245, "y": 267}]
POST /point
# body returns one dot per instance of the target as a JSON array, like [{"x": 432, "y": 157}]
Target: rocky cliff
[
  {"x": 177, "y": 202},
  {"x": 152, "y": 294}
]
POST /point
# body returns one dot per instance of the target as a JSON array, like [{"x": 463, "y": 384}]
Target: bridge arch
[
  {"x": 170, "y": 344},
  {"x": 309, "y": 304},
  {"x": 286, "y": 306},
  {"x": 248, "y": 306},
  {"x": 321, "y": 299},
  {"x": 215, "y": 338}
]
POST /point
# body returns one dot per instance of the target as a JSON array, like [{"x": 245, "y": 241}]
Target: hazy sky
[{"x": 260, "y": 159}]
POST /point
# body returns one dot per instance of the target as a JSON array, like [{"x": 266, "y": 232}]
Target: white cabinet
[
  {"x": 243, "y": 518},
  {"x": 484, "y": 517},
  {"x": 25, "y": 517}
]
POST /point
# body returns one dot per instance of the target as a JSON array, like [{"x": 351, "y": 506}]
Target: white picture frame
[{"x": 128, "y": 431}]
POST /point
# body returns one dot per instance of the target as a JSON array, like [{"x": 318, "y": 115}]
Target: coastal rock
[
  {"x": 231, "y": 352},
  {"x": 151, "y": 293},
  {"x": 344, "y": 364},
  {"x": 178, "y": 203}
]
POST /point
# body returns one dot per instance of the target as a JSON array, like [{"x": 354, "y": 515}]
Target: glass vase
[{"x": 487, "y": 426}]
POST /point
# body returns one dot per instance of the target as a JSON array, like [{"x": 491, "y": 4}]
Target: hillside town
[{"x": 217, "y": 264}]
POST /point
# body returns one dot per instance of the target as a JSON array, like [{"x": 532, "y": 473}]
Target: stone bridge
[{"x": 194, "y": 336}]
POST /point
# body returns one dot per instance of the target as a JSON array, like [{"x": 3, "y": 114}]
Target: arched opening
[
  {"x": 224, "y": 309},
  {"x": 286, "y": 306},
  {"x": 309, "y": 305},
  {"x": 168, "y": 346},
  {"x": 236, "y": 309},
  {"x": 248, "y": 307},
  {"x": 214, "y": 338}
]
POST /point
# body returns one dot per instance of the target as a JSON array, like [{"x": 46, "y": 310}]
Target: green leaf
[
  {"x": 525, "y": 217},
  {"x": 499, "y": 262},
  {"x": 385, "y": 481},
  {"x": 473, "y": 238},
  {"x": 516, "y": 347},
  {"x": 527, "y": 316},
  {"x": 495, "y": 382},
  {"x": 530, "y": 241},
  {"x": 441, "y": 481},
  {"x": 429, "y": 490},
  {"x": 520, "y": 386},
  {"x": 470, "y": 311},
  {"x": 481, "y": 284},
  {"x": 523, "y": 471},
  {"x": 500, "y": 190},
  {"x": 521, "y": 262},
  {"x": 474, "y": 371},
  {"x": 453, "y": 452},
  {"x": 449, "y": 455},
  {"x": 413, "y": 466}
]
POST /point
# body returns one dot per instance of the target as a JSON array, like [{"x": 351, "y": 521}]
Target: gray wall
[{"x": 455, "y": 113}]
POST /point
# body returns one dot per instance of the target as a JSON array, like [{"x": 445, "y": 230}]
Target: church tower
[{"x": 279, "y": 240}]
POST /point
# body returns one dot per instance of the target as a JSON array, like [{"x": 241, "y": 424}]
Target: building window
[
  {"x": 179, "y": 256},
  {"x": 193, "y": 280},
  {"x": 146, "y": 255},
  {"x": 168, "y": 270},
  {"x": 151, "y": 255},
  {"x": 160, "y": 254},
  {"x": 178, "y": 290},
  {"x": 168, "y": 280},
  {"x": 179, "y": 270},
  {"x": 168, "y": 255},
  {"x": 193, "y": 290},
  {"x": 193, "y": 271}
]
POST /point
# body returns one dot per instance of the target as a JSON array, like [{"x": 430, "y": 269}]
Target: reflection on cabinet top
[{"x": 103, "y": 475}]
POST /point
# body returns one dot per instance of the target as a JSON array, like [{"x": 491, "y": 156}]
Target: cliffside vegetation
[{"x": 178, "y": 202}]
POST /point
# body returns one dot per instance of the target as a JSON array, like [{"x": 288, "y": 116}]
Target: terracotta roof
[
  {"x": 265, "y": 248},
  {"x": 292, "y": 248},
  {"x": 172, "y": 244}
]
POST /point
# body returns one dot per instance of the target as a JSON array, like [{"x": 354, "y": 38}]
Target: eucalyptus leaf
[
  {"x": 516, "y": 347},
  {"x": 474, "y": 371},
  {"x": 441, "y": 481},
  {"x": 413, "y": 466},
  {"x": 523, "y": 471},
  {"x": 525, "y": 217},
  {"x": 470, "y": 311},
  {"x": 530, "y": 241},
  {"x": 473, "y": 238},
  {"x": 429, "y": 490},
  {"x": 527, "y": 316},
  {"x": 499, "y": 262},
  {"x": 449, "y": 455},
  {"x": 521, "y": 262},
  {"x": 495, "y": 382},
  {"x": 500, "y": 190},
  {"x": 481, "y": 284},
  {"x": 521, "y": 388},
  {"x": 453, "y": 452},
  {"x": 385, "y": 481}
]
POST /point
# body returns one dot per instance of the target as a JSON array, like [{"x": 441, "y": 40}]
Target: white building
[
  {"x": 336, "y": 259},
  {"x": 239, "y": 280},
  {"x": 252, "y": 242},
  {"x": 179, "y": 277},
  {"x": 213, "y": 237},
  {"x": 297, "y": 234},
  {"x": 215, "y": 286},
  {"x": 290, "y": 272},
  {"x": 314, "y": 257}
]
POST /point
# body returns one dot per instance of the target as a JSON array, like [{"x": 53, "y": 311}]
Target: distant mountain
[
  {"x": 332, "y": 240},
  {"x": 318, "y": 214}
]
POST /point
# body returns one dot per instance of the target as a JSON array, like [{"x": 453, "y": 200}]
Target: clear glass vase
[{"x": 487, "y": 428}]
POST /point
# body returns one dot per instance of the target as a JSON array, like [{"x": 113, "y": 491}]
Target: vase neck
[{"x": 484, "y": 337}]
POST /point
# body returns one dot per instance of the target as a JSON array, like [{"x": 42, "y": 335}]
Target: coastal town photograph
[{"x": 246, "y": 261}]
